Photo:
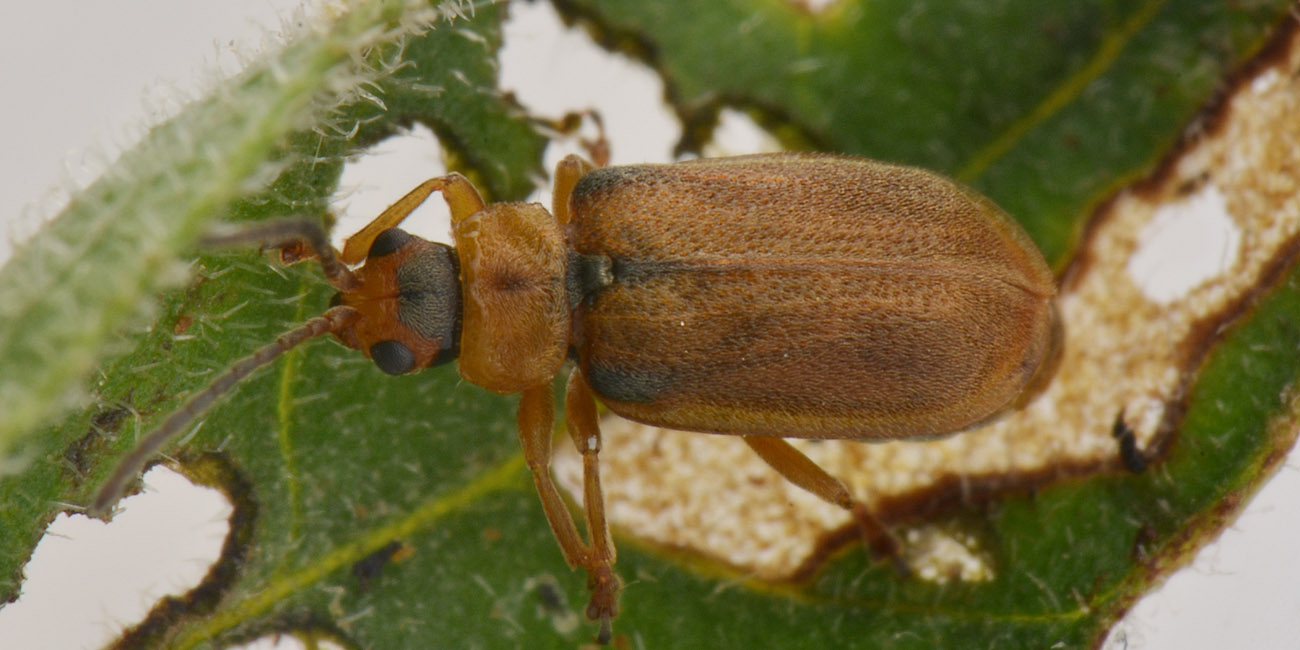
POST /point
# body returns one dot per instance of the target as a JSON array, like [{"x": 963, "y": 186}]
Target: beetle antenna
[
  {"x": 285, "y": 234},
  {"x": 333, "y": 320}
]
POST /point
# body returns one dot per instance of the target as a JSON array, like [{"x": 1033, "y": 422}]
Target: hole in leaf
[
  {"x": 554, "y": 70},
  {"x": 383, "y": 174},
  {"x": 88, "y": 579},
  {"x": 287, "y": 642},
  {"x": 737, "y": 133},
  {"x": 1186, "y": 244},
  {"x": 814, "y": 6}
]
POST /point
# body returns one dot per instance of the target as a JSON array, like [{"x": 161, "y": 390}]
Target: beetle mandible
[{"x": 769, "y": 296}]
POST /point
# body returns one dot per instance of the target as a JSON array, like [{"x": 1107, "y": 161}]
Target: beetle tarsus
[
  {"x": 880, "y": 543},
  {"x": 604, "y": 586}
]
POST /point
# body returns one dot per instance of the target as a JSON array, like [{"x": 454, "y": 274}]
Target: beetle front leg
[
  {"x": 536, "y": 423},
  {"x": 803, "y": 472},
  {"x": 457, "y": 191}
]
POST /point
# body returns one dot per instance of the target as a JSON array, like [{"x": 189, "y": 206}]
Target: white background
[{"x": 81, "y": 80}]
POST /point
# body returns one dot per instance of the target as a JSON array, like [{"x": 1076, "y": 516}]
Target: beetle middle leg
[
  {"x": 567, "y": 173},
  {"x": 584, "y": 428},
  {"x": 536, "y": 422},
  {"x": 803, "y": 472}
]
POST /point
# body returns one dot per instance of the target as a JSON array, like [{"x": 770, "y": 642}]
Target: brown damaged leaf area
[{"x": 1135, "y": 338}]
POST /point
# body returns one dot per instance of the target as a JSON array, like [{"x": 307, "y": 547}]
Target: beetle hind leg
[{"x": 797, "y": 468}]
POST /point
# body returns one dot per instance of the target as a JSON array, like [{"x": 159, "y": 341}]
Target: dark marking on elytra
[{"x": 639, "y": 385}]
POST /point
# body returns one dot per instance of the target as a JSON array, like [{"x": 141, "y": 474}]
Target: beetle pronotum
[{"x": 768, "y": 296}]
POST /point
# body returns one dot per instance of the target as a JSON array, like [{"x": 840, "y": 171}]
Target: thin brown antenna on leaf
[{"x": 331, "y": 321}]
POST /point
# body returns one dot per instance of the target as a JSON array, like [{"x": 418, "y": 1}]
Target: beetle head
[{"x": 409, "y": 299}]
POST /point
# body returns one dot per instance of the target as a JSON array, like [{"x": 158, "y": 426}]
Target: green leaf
[{"x": 1047, "y": 108}]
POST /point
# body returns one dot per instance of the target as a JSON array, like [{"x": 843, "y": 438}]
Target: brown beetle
[{"x": 768, "y": 296}]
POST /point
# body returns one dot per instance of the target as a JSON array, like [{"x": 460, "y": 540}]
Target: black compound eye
[
  {"x": 392, "y": 357},
  {"x": 429, "y": 298},
  {"x": 388, "y": 241}
]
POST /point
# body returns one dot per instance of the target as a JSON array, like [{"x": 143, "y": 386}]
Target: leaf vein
[
  {"x": 505, "y": 475},
  {"x": 1068, "y": 90}
]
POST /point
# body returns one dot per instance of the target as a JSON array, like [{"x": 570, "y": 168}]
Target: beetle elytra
[{"x": 767, "y": 296}]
